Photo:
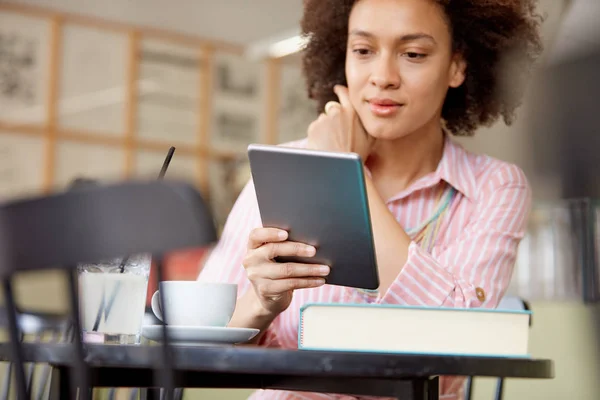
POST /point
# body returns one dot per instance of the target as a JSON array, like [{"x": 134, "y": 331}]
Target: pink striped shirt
[{"x": 470, "y": 264}]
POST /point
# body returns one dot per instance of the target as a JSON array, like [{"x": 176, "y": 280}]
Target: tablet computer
[{"x": 320, "y": 198}]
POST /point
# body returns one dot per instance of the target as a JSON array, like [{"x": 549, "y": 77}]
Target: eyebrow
[{"x": 409, "y": 37}]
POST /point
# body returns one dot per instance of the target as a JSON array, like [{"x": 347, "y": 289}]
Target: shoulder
[
  {"x": 500, "y": 195},
  {"x": 497, "y": 192},
  {"x": 490, "y": 174}
]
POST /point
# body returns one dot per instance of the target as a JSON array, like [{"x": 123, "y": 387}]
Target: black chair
[
  {"x": 36, "y": 327},
  {"x": 55, "y": 328},
  {"x": 89, "y": 225},
  {"x": 507, "y": 303}
]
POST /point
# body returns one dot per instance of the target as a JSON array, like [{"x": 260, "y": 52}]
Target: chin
[{"x": 382, "y": 130}]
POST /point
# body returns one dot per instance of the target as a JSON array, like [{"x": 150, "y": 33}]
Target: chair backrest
[
  {"x": 35, "y": 327},
  {"x": 96, "y": 223},
  {"x": 89, "y": 225}
]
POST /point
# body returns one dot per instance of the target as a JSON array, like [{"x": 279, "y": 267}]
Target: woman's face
[{"x": 399, "y": 65}]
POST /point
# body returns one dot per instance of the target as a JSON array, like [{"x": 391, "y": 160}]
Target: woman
[{"x": 394, "y": 79}]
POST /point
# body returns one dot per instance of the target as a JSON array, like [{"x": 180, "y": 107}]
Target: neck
[{"x": 408, "y": 158}]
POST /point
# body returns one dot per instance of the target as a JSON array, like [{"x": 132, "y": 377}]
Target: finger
[
  {"x": 286, "y": 249},
  {"x": 277, "y": 287},
  {"x": 260, "y": 236},
  {"x": 293, "y": 270},
  {"x": 343, "y": 96}
]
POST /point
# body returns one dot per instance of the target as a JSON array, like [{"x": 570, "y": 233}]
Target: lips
[{"x": 384, "y": 107}]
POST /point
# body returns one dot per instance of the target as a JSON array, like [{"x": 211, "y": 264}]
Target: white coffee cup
[{"x": 192, "y": 303}]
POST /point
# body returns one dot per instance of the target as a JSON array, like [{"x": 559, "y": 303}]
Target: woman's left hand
[{"x": 339, "y": 128}]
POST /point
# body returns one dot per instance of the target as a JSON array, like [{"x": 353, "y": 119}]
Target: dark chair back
[
  {"x": 35, "y": 327},
  {"x": 90, "y": 225}
]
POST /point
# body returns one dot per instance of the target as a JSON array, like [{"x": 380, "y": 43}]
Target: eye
[
  {"x": 412, "y": 55},
  {"x": 362, "y": 51}
]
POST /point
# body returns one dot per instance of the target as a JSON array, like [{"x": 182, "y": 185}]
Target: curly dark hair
[{"x": 485, "y": 32}]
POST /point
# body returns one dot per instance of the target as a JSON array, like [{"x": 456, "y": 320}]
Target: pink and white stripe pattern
[{"x": 470, "y": 264}]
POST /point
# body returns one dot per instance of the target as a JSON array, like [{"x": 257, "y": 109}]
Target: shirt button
[{"x": 480, "y": 294}]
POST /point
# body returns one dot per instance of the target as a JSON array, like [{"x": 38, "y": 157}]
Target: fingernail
[
  {"x": 282, "y": 234},
  {"x": 310, "y": 251},
  {"x": 324, "y": 269},
  {"x": 319, "y": 282}
]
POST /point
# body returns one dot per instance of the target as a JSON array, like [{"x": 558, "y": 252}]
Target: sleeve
[
  {"x": 476, "y": 268},
  {"x": 224, "y": 264}
]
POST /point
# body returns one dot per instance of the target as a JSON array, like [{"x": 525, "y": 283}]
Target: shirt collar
[{"x": 454, "y": 168}]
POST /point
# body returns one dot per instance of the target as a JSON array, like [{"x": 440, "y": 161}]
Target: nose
[{"x": 385, "y": 74}]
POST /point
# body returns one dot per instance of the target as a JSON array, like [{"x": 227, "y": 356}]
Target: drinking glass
[{"x": 112, "y": 296}]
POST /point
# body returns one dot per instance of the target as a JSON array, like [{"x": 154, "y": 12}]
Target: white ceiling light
[
  {"x": 288, "y": 46},
  {"x": 277, "y": 46}
]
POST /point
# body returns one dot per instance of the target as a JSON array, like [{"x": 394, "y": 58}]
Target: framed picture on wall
[
  {"x": 169, "y": 92},
  {"x": 237, "y": 78},
  {"x": 227, "y": 177},
  {"x": 238, "y": 102},
  {"x": 87, "y": 160},
  {"x": 93, "y": 80},
  {"x": 24, "y": 60},
  {"x": 21, "y": 165},
  {"x": 235, "y": 129},
  {"x": 296, "y": 110}
]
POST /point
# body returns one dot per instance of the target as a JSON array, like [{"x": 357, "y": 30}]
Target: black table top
[{"x": 305, "y": 363}]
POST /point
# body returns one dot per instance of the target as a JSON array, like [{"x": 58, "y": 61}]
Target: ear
[{"x": 457, "y": 71}]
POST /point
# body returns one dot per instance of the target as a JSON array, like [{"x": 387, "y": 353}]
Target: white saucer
[{"x": 199, "y": 335}]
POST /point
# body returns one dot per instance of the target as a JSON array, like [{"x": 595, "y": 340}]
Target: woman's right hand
[{"x": 273, "y": 282}]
